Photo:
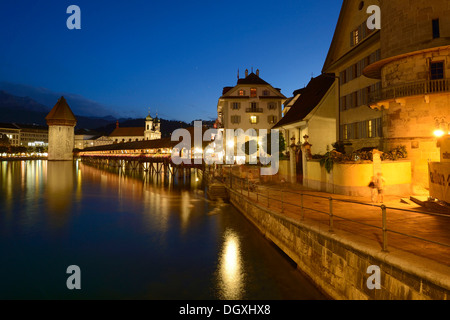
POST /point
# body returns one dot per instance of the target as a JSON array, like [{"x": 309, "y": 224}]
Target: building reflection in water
[
  {"x": 59, "y": 193},
  {"x": 231, "y": 276}
]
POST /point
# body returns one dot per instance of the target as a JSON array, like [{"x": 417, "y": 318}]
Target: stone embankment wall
[{"x": 339, "y": 265}]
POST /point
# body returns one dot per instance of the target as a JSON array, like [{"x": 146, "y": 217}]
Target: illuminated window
[
  {"x": 253, "y": 92},
  {"x": 370, "y": 129},
  {"x": 355, "y": 37},
  {"x": 241, "y": 92},
  {"x": 253, "y": 119}
]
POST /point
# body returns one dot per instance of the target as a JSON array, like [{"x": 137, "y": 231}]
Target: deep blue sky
[{"x": 170, "y": 56}]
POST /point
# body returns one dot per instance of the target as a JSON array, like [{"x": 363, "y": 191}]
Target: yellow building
[
  {"x": 251, "y": 104},
  {"x": 354, "y": 47},
  {"x": 394, "y": 87},
  {"x": 414, "y": 71}
]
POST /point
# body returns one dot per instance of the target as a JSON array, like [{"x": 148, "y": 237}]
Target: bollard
[
  {"x": 384, "y": 216},
  {"x": 331, "y": 214}
]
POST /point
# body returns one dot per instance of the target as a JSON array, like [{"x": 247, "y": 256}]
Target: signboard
[
  {"x": 444, "y": 144},
  {"x": 440, "y": 180}
]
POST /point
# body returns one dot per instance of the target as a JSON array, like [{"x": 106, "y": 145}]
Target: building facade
[
  {"x": 151, "y": 131},
  {"x": 354, "y": 47},
  {"x": 414, "y": 72},
  {"x": 251, "y": 104},
  {"x": 25, "y": 135}
]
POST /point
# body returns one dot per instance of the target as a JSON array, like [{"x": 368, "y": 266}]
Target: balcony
[
  {"x": 254, "y": 110},
  {"x": 419, "y": 88}
]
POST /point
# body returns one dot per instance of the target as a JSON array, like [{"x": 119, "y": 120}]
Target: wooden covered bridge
[{"x": 154, "y": 156}]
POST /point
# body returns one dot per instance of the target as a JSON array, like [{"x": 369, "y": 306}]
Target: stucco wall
[{"x": 352, "y": 179}]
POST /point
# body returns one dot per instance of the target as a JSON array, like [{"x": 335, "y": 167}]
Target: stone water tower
[{"x": 61, "y": 132}]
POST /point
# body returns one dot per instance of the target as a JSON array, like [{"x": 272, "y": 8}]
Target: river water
[{"x": 133, "y": 236}]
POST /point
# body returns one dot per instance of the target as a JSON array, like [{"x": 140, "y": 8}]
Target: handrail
[
  {"x": 423, "y": 87},
  {"x": 236, "y": 183}
]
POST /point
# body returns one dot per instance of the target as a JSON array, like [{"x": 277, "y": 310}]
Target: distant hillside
[{"x": 27, "y": 111}]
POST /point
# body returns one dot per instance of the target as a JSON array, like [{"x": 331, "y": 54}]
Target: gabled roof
[
  {"x": 251, "y": 79},
  {"x": 310, "y": 98},
  {"x": 339, "y": 47},
  {"x": 61, "y": 114},
  {"x": 128, "y": 132}
]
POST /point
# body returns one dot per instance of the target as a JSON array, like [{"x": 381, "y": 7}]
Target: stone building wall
[{"x": 61, "y": 140}]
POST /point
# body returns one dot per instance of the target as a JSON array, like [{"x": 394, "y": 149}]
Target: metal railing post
[
  {"x": 331, "y": 214},
  {"x": 302, "y": 212},
  {"x": 384, "y": 227}
]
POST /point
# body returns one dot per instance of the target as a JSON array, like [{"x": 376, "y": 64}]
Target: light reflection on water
[
  {"x": 231, "y": 273},
  {"x": 133, "y": 236}
]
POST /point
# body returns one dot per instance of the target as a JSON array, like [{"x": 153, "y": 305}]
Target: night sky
[{"x": 173, "y": 57}]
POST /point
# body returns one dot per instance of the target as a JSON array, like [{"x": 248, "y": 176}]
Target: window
[
  {"x": 271, "y": 106},
  {"x": 241, "y": 92},
  {"x": 436, "y": 30},
  {"x": 253, "y": 92},
  {"x": 236, "y": 106},
  {"x": 437, "y": 70},
  {"x": 266, "y": 93},
  {"x": 355, "y": 37},
  {"x": 254, "y": 119},
  {"x": 272, "y": 119},
  {"x": 235, "y": 119},
  {"x": 254, "y": 105},
  {"x": 370, "y": 127}
]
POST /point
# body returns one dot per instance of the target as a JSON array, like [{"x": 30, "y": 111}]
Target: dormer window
[
  {"x": 266, "y": 93},
  {"x": 241, "y": 93},
  {"x": 253, "y": 93}
]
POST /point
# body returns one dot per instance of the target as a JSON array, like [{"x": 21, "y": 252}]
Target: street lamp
[{"x": 442, "y": 128}]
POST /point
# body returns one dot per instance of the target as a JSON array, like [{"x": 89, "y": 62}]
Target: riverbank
[{"x": 338, "y": 261}]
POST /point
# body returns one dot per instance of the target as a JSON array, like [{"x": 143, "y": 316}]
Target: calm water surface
[{"x": 133, "y": 237}]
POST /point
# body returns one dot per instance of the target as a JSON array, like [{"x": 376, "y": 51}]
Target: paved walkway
[{"x": 407, "y": 224}]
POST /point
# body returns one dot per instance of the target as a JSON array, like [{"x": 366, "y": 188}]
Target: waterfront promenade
[{"x": 409, "y": 227}]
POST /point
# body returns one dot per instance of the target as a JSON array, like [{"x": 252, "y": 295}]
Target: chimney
[
  {"x": 257, "y": 72},
  {"x": 246, "y": 73},
  {"x": 117, "y": 124}
]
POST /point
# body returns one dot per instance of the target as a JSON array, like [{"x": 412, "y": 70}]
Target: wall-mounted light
[{"x": 442, "y": 128}]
